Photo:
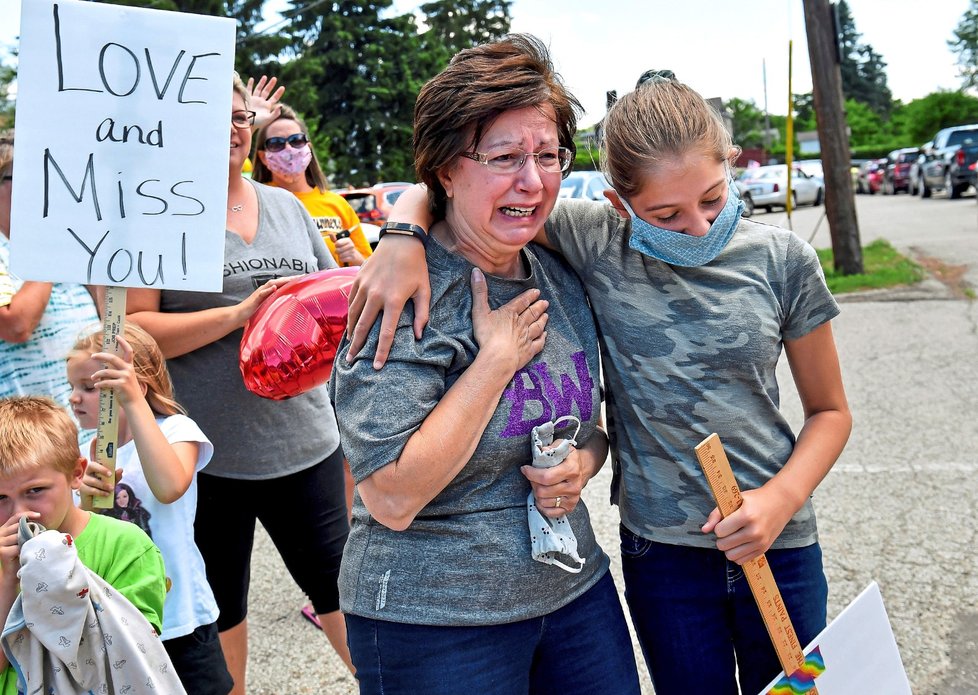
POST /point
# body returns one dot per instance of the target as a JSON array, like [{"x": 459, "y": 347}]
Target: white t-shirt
[{"x": 189, "y": 602}]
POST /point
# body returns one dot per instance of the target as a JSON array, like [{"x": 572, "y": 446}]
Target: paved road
[{"x": 898, "y": 508}]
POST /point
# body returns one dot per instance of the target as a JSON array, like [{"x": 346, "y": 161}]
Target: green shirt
[{"x": 125, "y": 557}]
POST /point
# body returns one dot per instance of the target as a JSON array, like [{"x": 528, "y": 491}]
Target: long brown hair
[
  {"x": 261, "y": 173},
  {"x": 148, "y": 363},
  {"x": 459, "y": 104}
]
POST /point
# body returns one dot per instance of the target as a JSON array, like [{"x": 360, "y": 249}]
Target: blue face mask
[{"x": 676, "y": 248}]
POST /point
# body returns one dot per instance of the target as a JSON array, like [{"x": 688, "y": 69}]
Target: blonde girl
[{"x": 160, "y": 451}]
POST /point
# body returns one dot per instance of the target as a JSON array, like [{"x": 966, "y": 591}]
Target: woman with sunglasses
[
  {"x": 285, "y": 159},
  {"x": 264, "y": 450}
]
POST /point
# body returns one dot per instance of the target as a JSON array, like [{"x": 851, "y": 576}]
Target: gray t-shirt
[
  {"x": 688, "y": 352},
  {"x": 466, "y": 558},
  {"x": 255, "y": 438}
]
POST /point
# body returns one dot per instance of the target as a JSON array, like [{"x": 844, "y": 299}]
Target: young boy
[{"x": 39, "y": 468}]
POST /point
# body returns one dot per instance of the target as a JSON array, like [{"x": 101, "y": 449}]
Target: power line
[{"x": 284, "y": 20}]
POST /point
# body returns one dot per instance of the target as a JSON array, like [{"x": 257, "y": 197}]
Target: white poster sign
[
  {"x": 858, "y": 652},
  {"x": 121, "y": 165}
]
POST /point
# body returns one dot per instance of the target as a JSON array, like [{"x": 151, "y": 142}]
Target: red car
[
  {"x": 374, "y": 204},
  {"x": 896, "y": 176},
  {"x": 870, "y": 178}
]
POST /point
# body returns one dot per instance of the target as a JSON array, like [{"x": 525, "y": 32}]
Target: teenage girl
[
  {"x": 694, "y": 304},
  {"x": 160, "y": 451}
]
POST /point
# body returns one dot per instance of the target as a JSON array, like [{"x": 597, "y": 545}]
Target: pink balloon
[{"x": 289, "y": 344}]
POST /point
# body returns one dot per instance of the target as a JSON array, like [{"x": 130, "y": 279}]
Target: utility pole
[
  {"x": 840, "y": 205},
  {"x": 767, "y": 119}
]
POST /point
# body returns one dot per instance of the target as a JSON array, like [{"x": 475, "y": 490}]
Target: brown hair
[
  {"x": 6, "y": 152},
  {"x": 261, "y": 173},
  {"x": 662, "y": 119},
  {"x": 148, "y": 363},
  {"x": 459, "y": 104},
  {"x": 35, "y": 432}
]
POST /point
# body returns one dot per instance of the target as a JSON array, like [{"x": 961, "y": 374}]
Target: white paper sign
[
  {"x": 121, "y": 165},
  {"x": 859, "y": 651}
]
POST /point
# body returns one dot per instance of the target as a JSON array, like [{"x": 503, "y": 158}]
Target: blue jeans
[
  {"x": 696, "y": 617},
  {"x": 582, "y": 648}
]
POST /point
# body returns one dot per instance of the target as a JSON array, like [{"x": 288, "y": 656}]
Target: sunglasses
[{"x": 296, "y": 141}]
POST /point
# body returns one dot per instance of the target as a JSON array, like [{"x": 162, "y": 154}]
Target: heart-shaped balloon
[{"x": 289, "y": 344}]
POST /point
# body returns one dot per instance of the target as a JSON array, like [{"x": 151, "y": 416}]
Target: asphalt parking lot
[{"x": 898, "y": 507}]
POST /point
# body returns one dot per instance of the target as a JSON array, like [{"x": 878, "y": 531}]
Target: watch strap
[{"x": 404, "y": 229}]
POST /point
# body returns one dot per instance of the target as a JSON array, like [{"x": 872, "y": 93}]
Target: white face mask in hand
[{"x": 551, "y": 539}]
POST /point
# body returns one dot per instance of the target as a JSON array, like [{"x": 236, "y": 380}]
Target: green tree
[
  {"x": 863, "y": 69},
  {"x": 866, "y": 127},
  {"x": 454, "y": 26},
  {"x": 805, "y": 112},
  {"x": 747, "y": 121},
  {"x": 925, "y": 116},
  {"x": 965, "y": 45},
  {"x": 355, "y": 72}
]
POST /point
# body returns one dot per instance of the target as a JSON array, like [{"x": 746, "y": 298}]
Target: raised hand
[
  {"x": 264, "y": 99},
  {"x": 118, "y": 373}
]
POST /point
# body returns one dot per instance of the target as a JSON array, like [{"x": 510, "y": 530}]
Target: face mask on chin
[
  {"x": 677, "y": 248},
  {"x": 288, "y": 161}
]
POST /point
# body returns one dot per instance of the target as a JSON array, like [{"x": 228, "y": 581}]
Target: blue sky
[{"x": 718, "y": 47}]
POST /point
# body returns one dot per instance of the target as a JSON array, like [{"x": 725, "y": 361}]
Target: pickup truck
[{"x": 949, "y": 163}]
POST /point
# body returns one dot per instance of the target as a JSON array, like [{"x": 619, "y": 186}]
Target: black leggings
[{"x": 304, "y": 514}]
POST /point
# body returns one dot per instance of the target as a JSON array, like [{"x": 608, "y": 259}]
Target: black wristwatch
[{"x": 404, "y": 229}]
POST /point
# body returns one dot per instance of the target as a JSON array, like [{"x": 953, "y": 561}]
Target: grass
[{"x": 884, "y": 266}]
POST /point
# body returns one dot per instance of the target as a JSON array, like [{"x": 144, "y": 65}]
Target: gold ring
[{"x": 557, "y": 501}]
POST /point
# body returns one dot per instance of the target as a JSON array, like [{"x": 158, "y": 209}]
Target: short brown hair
[
  {"x": 662, "y": 119},
  {"x": 147, "y": 361},
  {"x": 260, "y": 172},
  {"x": 459, "y": 104},
  {"x": 35, "y": 432}
]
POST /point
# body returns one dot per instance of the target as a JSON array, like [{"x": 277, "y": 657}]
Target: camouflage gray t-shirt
[
  {"x": 691, "y": 351},
  {"x": 466, "y": 557}
]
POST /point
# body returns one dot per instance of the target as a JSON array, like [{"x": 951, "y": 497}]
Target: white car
[
  {"x": 584, "y": 184},
  {"x": 768, "y": 186},
  {"x": 371, "y": 232}
]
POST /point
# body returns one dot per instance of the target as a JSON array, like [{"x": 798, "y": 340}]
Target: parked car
[
  {"x": 584, "y": 184},
  {"x": 948, "y": 164},
  {"x": 812, "y": 167},
  {"x": 768, "y": 186},
  {"x": 374, "y": 204},
  {"x": 745, "y": 196},
  {"x": 870, "y": 177},
  {"x": 896, "y": 175},
  {"x": 915, "y": 168},
  {"x": 371, "y": 232}
]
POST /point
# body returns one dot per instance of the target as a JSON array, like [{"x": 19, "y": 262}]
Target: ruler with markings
[
  {"x": 716, "y": 467},
  {"x": 107, "y": 437}
]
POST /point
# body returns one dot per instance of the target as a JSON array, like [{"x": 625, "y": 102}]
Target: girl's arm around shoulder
[{"x": 581, "y": 231}]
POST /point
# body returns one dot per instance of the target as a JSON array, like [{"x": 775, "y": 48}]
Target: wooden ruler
[
  {"x": 107, "y": 436},
  {"x": 716, "y": 467}
]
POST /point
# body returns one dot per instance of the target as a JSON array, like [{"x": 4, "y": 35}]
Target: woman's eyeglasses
[
  {"x": 509, "y": 161},
  {"x": 296, "y": 141},
  {"x": 242, "y": 119}
]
